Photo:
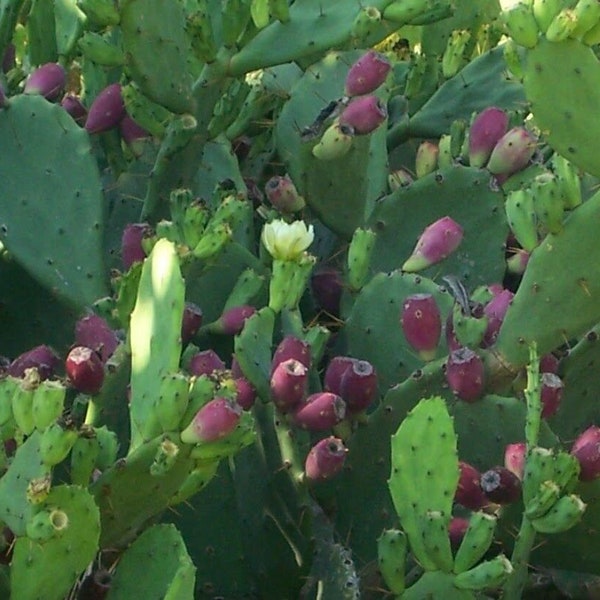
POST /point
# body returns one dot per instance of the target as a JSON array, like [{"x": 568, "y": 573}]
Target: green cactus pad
[
  {"x": 155, "y": 336},
  {"x": 47, "y": 570},
  {"x": 156, "y": 565},
  {"x": 462, "y": 193},
  {"x": 548, "y": 309},
  {"x": 156, "y": 47},
  {"x": 567, "y": 116},
  {"x": 41, "y": 191},
  {"x": 424, "y": 471},
  {"x": 436, "y": 584}
]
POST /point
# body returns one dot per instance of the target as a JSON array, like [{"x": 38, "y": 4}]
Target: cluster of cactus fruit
[{"x": 301, "y": 291}]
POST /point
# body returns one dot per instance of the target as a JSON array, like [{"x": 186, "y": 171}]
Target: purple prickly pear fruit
[
  {"x": 451, "y": 339},
  {"x": 332, "y": 381},
  {"x": 283, "y": 195},
  {"x": 456, "y": 531},
  {"x": 236, "y": 370},
  {"x": 358, "y": 386},
  {"x": 551, "y": 394},
  {"x": 85, "y": 370},
  {"x": 191, "y": 322},
  {"x": 364, "y": 114},
  {"x": 468, "y": 491},
  {"x": 8, "y": 59},
  {"x": 73, "y": 105},
  {"x": 422, "y": 324},
  {"x": 500, "y": 485},
  {"x": 205, "y": 363},
  {"x": 214, "y": 421},
  {"x": 288, "y": 384},
  {"x": 549, "y": 363},
  {"x": 132, "y": 250},
  {"x": 106, "y": 110},
  {"x": 325, "y": 459},
  {"x": 94, "y": 332},
  {"x": 487, "y": 129},
  {"x": 586, "y": 449},
  {"x": 132, "y": 133},
  {"x": 291, "y": 347},
  {"x": 320, "y": 411},
  {"x": 42, "y": 358},
  {"x": 241, "y": 146},
  {"x": 47, "y": 80},
  {"x": 427, "y": 158},
  {"x": 495, "y": 311},
  {"x": 512, "y": 152},
  {"x": 231, "y": 322},
  {"x": 367, "y": 74},
  {"x": 465, "y": 374},
  {"x": 326, "y": 287},
  {"x": 245, "y": 394},
  {"x": 514, "y": 458},
  {"x": 436, "y": 243}
]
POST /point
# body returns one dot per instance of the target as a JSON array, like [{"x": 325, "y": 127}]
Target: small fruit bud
[
  {"x": 464, "y": 374},
  {"x": 320, "y": 411},
  {"x": 500, "y": 485},
  {"x": 288, "y": 384},
  {"x": 586, "y": 449},
  {"x": 85, "y": 370},
  {"x": 214, "y": 421},
  {"x": 358, "y": 386},
  {"x": 367, "y": 74},
  {"x": 487, "y": 129},
  {"x": 132, "y": 250},
  {"x": 335, "y": 142},
  {"x": 325, "y": 459},
  {"x": 73, "y": 105},
  {"x": 364, "y": 115},
  {"x": 47, "y": 80},
  {"x": 106, "y": 110},
  {"x": 191, "y": 322},
  {"x": 283, "y": 195},
  {"x": 422, "y": 324},
  {"x": 551, "y": 394},
  {"x": 436, "y": 243},
  {"x": 514, "y": 458},
  {"x": 512, "y": 153},
  {"x": 468, "y": 491},
  {"x": 426, "y": 160}
]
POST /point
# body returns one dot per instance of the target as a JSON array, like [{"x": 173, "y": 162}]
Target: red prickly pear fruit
[
  {"x": 191, "y": 322},
  {"x": 358, "y": 386},
  {"x": 367, "y": 74},
  {"x": 549, "y": 363},
  {"x": 586, "y": 449},
  {"x": 512, "y": 152},
  {"x": 106, "y": 110},
  {"x": 94, "y": 332},
  {"x": 132, "y": 133},
  {"x": 48, "y": 81},
  {"x": 326, "y": 286},
  {"x": 551, "y": 394},
  {"x": 437, "y": 242},
  {"x": 456, "y": 531},
  {"x": 485, "y": 132},
  {"x": 332, "y": 381},
  {"x": 468, "y": 491},
  {"x": 85, "y": 370},
  {"x": 320, "y": 411},
  {"x": 74, "y": 106},
  {"x": 283, "y": 195},
  {"x": 288, "y": 384},
  {"x": 214, "y": 421},
  {"x": 231, "y": 322},
  {"x": 205, "y": 363},
  {"x": 422, "y": 324},
  {"x": 325, "y": 459},
  {"x": 500, "y": 485},
  {"x": 8, "y": 59},
  {"x": 495, "y": 311},
  {"x": 245, "y": 394},
  {"x": 426, "y": 160},
  {"x": 364, "y": 114},
  {"x": 291, "y": 347},
  {"x": 42, "y": 358},
  {"x": 132, "y": 250},
  {"x": 514, "y": 458},
  {"x": 465, "y": 374}
]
